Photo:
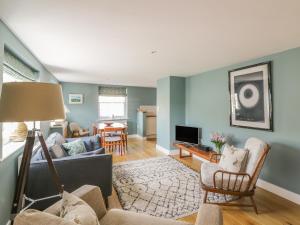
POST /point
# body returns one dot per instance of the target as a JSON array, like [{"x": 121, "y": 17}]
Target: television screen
[{"x": 187, "y": 134}]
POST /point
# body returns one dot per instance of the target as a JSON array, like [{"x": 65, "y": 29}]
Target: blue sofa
[{"x": 93, "y": 167}]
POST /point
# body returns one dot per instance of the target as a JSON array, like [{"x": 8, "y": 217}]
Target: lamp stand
[{"x": 20, "y": 197}]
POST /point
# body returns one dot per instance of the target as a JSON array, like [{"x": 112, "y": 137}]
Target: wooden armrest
[
  {"x": 215, "y": 158},
  {"x": 228, "y": 178}
]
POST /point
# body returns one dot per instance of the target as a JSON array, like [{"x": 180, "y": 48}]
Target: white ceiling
[{"x": 111, "y": 41}]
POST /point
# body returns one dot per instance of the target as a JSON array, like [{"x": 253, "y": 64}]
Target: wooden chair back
[{"x": 258, "y": 167}]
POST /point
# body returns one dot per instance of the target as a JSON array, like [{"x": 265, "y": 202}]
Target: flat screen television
[{"x": 187, "y": 134}]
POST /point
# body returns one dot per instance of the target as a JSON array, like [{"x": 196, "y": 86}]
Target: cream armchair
[
  {"x": 208, "y": 214},
  {"x": 233, "y": 186}
]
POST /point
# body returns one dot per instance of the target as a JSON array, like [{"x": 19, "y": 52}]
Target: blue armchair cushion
[{"x": 74, "y": 147}]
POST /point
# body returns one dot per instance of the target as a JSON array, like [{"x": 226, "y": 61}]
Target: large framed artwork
[{"x": 251, "y": 97}]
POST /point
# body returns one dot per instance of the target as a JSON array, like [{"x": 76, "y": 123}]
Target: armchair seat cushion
[
  {"x": 207, "y": 178},
  {"x": 122, "y": 217}
]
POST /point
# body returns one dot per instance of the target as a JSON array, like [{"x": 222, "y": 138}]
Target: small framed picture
[
  {"x": 251, "y": 97},
  {"x": 75, "y": 99}
]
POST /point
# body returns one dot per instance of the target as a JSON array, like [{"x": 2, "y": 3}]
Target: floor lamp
[{"x": 31, "y": 101}]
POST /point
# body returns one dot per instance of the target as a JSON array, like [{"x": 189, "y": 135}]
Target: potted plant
[{"x": 218, "y": 140}]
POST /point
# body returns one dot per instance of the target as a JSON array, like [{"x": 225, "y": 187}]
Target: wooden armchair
[
  {"x": 77, "y": 131},
  {"x": 234, "y": 186}
]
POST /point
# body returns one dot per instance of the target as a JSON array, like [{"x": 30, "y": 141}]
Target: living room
[{"x": 151, "y": 112}]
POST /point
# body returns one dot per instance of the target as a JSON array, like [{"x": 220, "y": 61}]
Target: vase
[{"x": 218, "y": 149}]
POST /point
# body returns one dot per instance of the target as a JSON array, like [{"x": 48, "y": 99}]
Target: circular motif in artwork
[{"x": 249, "y": 95}]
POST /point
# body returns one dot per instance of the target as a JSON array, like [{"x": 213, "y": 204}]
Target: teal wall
[
  {"x": 171, "y": 111},
  {"x": 177, "y": 100},
  {"x": 163, "y": 113},
  {"x": 8, "y": 167},
  {"x": 87, "y": 113},
  {"x": 141, "y": 124},
  {"x": 207, "y": 106}
]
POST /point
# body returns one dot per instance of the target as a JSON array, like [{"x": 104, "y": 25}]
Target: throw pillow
[
  {"x": 55, "y": 151},
  {"x": 233, "y": 159},
  {"x": 74, "y": 147},
  {"x": 78, "y": 211}
]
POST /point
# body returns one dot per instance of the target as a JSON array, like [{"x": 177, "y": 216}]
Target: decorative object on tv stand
[
  {"x": 218, "y": 140},
  {"x": 20, "y": 133},
  {"x": 75, "y": 99},
  {"x": 250, "y": 97},
  {"x": 31, "y": 101}
]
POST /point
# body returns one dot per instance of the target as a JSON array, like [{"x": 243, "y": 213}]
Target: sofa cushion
[
  {"x": 233, "y": 159},
  {"x": 74, "y": 147},
  {"x": 55, "y": 138},
  {"x": 91, "y": 142},
  {"x": 35, "y": 217},
  {"x": 95, "y": 152},
  {"x": 78, "y": 211},
  {"x": 56, "y": 152},
  {"x": 122, "y": 217},
  {"x": 207, "y": 178}
]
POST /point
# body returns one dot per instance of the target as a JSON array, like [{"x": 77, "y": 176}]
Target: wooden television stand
[{"x": 206, "y": 155}]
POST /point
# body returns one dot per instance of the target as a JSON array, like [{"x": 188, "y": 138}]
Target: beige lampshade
[{"x": 31, "y": 101}]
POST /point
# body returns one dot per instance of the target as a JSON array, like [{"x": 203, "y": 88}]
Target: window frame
[
  {"x": 115, "y": 117},
  {"x": 10, "y": 147}
]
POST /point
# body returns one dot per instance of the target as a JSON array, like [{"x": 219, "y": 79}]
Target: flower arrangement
[{"x": 219, "y": 140}]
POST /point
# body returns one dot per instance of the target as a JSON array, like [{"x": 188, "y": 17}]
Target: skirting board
[
  {"x": 167, "y": 151},
  {"x": 286, "y": 194},
  {"x": 133, "y": 136}
]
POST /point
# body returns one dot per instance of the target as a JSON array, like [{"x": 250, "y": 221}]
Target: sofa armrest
[
  {"x": 74, "y": 172},
  {"x": 209, "y": 215},
  {"x": 90, "y": 194},
  {"x": 35, "y": 217}
]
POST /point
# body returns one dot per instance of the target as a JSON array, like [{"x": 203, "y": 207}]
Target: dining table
[{"x": 100, "y": 126}]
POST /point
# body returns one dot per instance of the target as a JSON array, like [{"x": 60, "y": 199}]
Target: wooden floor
[{"x": 273, "y": 210}]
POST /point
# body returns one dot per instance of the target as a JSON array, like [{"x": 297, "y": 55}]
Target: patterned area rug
[{"x": 160, "y": 186}]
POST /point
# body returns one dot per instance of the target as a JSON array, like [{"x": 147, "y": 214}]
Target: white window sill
[
  {"x": 112, "y": 119},
  {"x": 9, "y": 148}
]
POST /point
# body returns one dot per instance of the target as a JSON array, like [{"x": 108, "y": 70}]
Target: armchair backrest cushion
[
  {"x": 233, "y": 159},
  {"x": 256, "y": 148}
]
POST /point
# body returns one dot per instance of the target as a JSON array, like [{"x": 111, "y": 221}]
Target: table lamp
[{"x": 31, "y": 101}]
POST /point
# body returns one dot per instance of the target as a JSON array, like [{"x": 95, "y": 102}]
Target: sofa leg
[{"x": 205, "y": 197}]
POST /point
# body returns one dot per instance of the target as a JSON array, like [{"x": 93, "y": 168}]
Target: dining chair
[{"x": 111, "y": 143}]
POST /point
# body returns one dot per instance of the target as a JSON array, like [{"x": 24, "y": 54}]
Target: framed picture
[
  {"x": 75, "y": 98},
  {"x": 251, "y": 97}
]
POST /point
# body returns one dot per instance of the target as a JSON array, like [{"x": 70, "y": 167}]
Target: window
[
  {"x": 14, "y": 70},
  {"x": 112, "y": 102},
  {"x": 112, "y": 107}
]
